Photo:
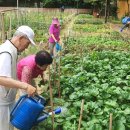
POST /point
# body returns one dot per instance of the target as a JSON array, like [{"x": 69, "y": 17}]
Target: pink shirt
[
  {"x": 55, "y": 31},
  {"x": 27, "y": 69}
]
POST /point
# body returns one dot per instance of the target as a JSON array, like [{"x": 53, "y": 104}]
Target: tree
[
  {"x": 128, "y": 7},
  {"x": 107, "y": 10},
  {"x": 104, "y": 6}
]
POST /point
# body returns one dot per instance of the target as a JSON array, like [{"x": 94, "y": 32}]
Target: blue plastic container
[
  {"x": 26, "y": 112},
  {"x": 58, "y": 47}
]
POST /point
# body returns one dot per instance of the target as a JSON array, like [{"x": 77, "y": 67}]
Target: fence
[{"x": 37, "y": 18}]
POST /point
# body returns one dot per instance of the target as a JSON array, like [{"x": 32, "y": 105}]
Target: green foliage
[
  {"x": 66, "y": 3},
  {"x": 102, "y": 79}
]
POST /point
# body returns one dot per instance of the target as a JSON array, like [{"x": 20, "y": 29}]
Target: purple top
[
  {"x": 31, "y": 68},
  {"x": 55, "y": 31}
]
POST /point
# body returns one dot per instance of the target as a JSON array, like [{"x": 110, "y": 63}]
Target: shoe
[{"x": 121, "y": 30}]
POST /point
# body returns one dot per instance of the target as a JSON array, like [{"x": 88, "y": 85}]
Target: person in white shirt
[{"x": 21, "y": 39}]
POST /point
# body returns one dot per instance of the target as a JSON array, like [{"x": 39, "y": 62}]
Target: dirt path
[
  {"x": 65, "y": 32},
  {"x": 67, "y": 27}
]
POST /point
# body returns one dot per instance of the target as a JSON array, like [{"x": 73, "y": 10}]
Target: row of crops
[{"x": 95, "y": 66}]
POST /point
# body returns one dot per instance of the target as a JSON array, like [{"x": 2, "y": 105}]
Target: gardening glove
[{"x": 58, "y": 47}]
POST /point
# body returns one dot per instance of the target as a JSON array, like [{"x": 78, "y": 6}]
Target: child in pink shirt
[{"x": 32, "y": 66}]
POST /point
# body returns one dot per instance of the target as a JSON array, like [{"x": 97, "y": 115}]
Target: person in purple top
[{"x": 54, "y": 34}]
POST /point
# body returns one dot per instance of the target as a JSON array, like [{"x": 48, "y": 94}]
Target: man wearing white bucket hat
[{"x": 21, "y": 39}]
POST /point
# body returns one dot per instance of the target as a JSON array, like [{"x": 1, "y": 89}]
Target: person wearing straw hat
[
  {"x": 54, "y": 32},
  {"x": 32, "y": 66},
  {"x": 21, "y": 39}
]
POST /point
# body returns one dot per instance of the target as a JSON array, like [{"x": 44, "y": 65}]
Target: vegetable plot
[
  {"x": 95, "y": 67},
  {"x": 102, "y": 79}
]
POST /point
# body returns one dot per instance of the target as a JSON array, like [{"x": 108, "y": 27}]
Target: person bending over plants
[
  {"x": 32, "y": 66},
  {"x": 125, "y": 22}
]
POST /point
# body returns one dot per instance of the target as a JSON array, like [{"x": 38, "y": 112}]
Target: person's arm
[
  {"x": 43, "y": 80},
  {"x": 5, "y": 76},
  {"x": 11, "y": 83},
  {"x": 26, "y": 75},
  {"x": 52, "y": 35}
]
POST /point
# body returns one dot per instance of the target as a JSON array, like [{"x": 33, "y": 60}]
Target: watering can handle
[
  {"x": 40, "y": 98},
  {"x": 20, "y": 100}
]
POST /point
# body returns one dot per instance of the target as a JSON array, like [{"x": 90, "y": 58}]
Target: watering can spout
[
  {"x": 58, "y": 110},
  {"x": 42, "y": 118}
]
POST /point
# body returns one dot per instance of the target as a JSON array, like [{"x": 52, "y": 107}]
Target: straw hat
[{"x": 55, "y": 21}]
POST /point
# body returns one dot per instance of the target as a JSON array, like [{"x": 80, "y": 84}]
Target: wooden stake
[
  {"x": 59, "y": 93},
  {"x": 3, "y": 26},
  {"x": 81, "y": 113},
  {"x": 51, "y": 98},
  {"x": 54, "y": 66},
  {"x": 10, "y": 27},
  {"x": 110, "y": 122}
]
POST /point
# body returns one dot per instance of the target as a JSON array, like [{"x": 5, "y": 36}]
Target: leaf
[
  {"x": 95, "y": 127},
  {"x": 98, "y": 127},
  {"x": 73, "y": 96},
  {"x": 59, "y": 120},
  {"x": 127, "y": 111},
  {"x": 71, "y": 117},
  {"x": 119, "y": 125},
  {"x": 111, "y": 103}
]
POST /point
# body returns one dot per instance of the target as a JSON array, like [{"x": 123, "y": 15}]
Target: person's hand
[
  {"x": 56, "y": 41},
  {"x": 30, "y": 90},
  {"x": 42, "y": 82}
]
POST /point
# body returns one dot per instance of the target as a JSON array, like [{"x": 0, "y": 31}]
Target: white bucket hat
[{"x": 28, "y": 32}]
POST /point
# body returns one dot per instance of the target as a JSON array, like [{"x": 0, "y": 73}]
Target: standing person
[
  {"x": 8, "y": 84},
  {"x": 62, "y": 8},
  {"x": 125, "y": 22},
  {"x": 54, "y": 32},
  {"x": 32, "y": 66}
]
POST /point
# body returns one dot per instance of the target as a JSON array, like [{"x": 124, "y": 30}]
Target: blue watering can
[
  {"x": 28, "y": 111},
  {"x": 58, "y": 47}
]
